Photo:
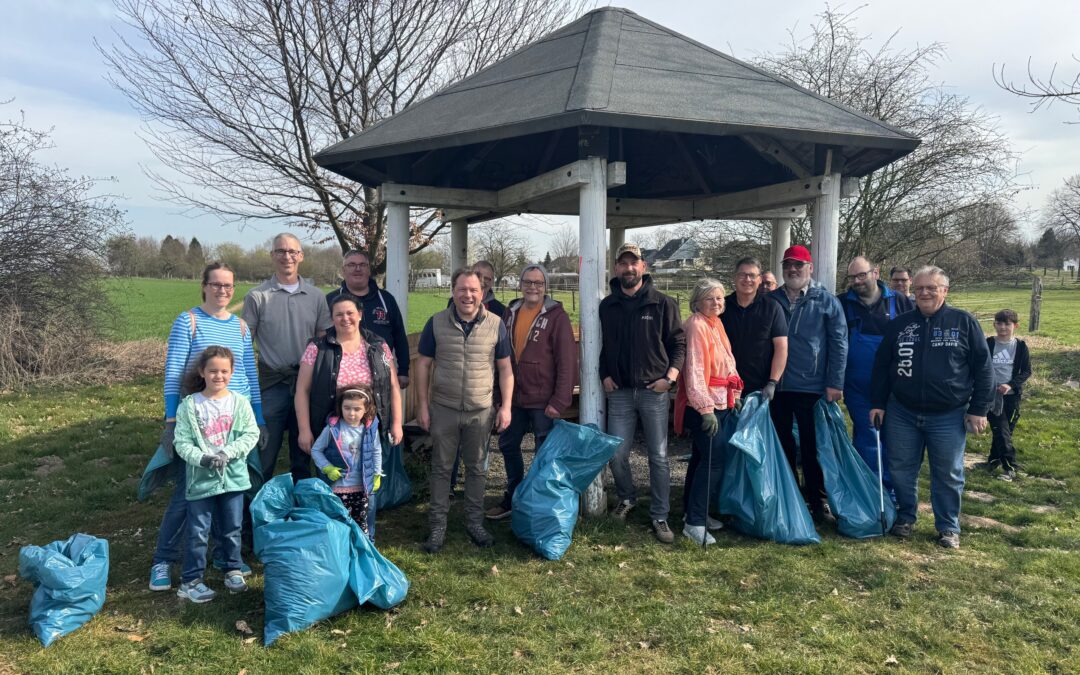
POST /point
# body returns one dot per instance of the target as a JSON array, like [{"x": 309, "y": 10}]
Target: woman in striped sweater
[{"x": 194, "y": 330}]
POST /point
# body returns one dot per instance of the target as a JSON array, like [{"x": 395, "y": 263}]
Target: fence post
[{"x": 1036, "y": 304}]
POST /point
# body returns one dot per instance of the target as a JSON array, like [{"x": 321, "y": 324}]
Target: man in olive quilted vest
[{"x": 469, "y": 345}]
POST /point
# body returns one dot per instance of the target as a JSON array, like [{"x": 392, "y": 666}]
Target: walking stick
[
  {"x": 708, "y": 484},
  {"x": 880, "y": 477}
]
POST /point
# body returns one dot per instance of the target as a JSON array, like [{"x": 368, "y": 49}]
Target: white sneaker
[
  {"x": 698, "y": 535},
  {"x": 234, "y": 581},
  {"x": 712, "y": 524}
]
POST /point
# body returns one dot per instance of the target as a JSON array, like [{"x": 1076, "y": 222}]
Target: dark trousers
[
  {"x": 522, "y": 420},
  {"x": 281, "y": 423},
  {"x": 705, "y": 469},
  {"x": 1002, "y": 426},
  {"x": 789, "y": 406}
]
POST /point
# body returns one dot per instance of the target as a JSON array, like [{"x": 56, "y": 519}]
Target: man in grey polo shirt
[{"x": 283, "y": 313}]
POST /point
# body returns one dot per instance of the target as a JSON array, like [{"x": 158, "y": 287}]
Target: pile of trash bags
[
  {"x": 546, "y": 501},
  {"x": 69, "y": 580},
  {"x": 317, "y": 561}
]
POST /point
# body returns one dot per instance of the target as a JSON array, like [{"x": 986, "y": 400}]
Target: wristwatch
[{"x": 671, "y": 382}]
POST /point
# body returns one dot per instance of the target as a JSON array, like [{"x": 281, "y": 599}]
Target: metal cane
[
  {"x": 708, "y": 484},
  {"x": 880, "y": 477}
]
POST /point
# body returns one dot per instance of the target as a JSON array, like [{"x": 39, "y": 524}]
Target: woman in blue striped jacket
[{"x": 211, "y": 323}]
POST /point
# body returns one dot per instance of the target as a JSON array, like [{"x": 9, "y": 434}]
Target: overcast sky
[{"x": 49, "y": 66}]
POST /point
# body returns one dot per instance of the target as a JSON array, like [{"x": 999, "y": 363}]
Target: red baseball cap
[{"x": 797, "y": 253}]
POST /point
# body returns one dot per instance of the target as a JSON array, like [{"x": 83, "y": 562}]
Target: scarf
[{"x": 719, "y": 369}]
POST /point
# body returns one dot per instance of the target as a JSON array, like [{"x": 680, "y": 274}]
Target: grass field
[{"x": 618, "y": 601}]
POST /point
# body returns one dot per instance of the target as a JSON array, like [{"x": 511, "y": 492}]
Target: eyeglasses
[
  {"x": 291, "y": 252},
  {"x": 532, "y": 284},
  {"x": 352, "y": 267},
  {"x": 793, "y": 264},
  {"x": 930, "y": 290},
  {"x": 221, "y": 287},
  {"x": 897, "y": 280},
  {"x": 861, "y": 276},
  {"x": 747, "y": 275}
]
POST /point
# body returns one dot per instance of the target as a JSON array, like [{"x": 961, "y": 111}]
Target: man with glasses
[
  {"x": 900, "y": 281},
  {"x": 817, "y": 358},
  {"x": 933, "y": 378},
  {"x": 283, "y": 313},
  {"x": 757, "y": 330},
  {"x": 379, "y": 309},
  {"x": 768, "y": 282},
  {"x": 544, "y": 361},
  {"x": 641, "y": 355},
  {"x": 869, "y": 305}
]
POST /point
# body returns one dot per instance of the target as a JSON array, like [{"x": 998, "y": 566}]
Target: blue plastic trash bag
[
  {"x": 759, "y": 489},
  {"x": 318, "y": 562},
  {"x": 546, "y": 501},
  {"x": 158, "y": 472},
  {"x": 852, "y": 486},
  {"x": 396, "y": 488},
  {"x": 69, "y": 580}
]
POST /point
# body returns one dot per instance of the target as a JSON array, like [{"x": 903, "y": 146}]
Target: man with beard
[
  {"x": 817, "y": 358},
  {"x": 869, "y": 305},
  {"x": 640, "y": 358}
]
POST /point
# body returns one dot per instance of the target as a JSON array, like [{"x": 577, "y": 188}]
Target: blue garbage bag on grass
[
  {"x": 318, "y": 562},
  {"x": 69, "y": 580},
  {"x": 852, "y": 486},
  {"x": 546, "y": 501},
  {"x": 396, "y": 488},
  {"x": 758, "y": 488}
]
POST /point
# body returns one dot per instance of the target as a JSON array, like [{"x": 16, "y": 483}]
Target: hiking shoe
[
  {"x": 234, "y": 581},
  {"x": 622, "y": 509},
  {"x": 663, "y": 533},
  {"x": 244, "y": 568},
  {"x": 497, "y": 513},
  {"x": 902, "y": 530},
  {"x": 948, "y": 539},
  {"x": 712, "y": 524},
  {"x": 195, "y": 591},
  {"x": 1008, "y": 475},
  {"x": 480, "y": 536},
  {"x": 698, "y": 534},
  {"x": 436, "y": 539},
  {"x": 160, "y": 577}
]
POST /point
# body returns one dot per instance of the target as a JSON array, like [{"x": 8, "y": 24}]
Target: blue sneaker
[
  {"x": 195, "y": 591},
  {"x": 219, "y": 565},
  {"x": 160, "y": 577},
  {"x": 234, "y": 581}
]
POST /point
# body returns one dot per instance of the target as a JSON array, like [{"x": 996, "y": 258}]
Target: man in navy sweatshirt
[{"x": 932, "y": 380}]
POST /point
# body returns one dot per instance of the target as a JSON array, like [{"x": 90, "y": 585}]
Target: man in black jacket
[
  {"x": 640, "y": 358},
  {"x": 1012, "y": 368},
  {"x": 931, "y": 381}
]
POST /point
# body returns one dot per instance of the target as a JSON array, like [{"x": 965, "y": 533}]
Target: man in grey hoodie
[{"x": 817, "y": 358}]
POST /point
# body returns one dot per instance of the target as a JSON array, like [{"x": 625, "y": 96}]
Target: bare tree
[
  {"x": 1062, "y": 212},
  {"x": 564, "y": 243},
  {"x": 910, "y": 207},
  {"x": 1043, "y": 91},
  {"x": 501, "y": 244},
  {"x": 239, "y": 95}
]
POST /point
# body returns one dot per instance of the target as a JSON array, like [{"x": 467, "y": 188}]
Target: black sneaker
[
  {"x": 480, "y": 536},
  {"x": 902, "y": 530},
  {"x": 435, "y": 540}
]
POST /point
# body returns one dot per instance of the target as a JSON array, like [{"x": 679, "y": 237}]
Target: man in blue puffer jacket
[{"x": 817, "y": 359}]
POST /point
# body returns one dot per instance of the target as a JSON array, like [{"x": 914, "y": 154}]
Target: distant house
[
  {"x": 1071, "y": 265},
  {"x": 677, "y": 255}
]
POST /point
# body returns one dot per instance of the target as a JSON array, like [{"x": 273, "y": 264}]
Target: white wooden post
[
  {"x": 592, "y": 222},
  {"x": 459, "y": 245},
  {"x": 781, "y": 239},
  {"x": 826, "y": 237},
  {"x": 397, "y": 255},
  {"x": 616, "y": 238}
]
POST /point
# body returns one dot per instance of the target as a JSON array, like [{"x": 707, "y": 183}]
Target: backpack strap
[
  {"x": 191, "y": 313},
  {"x": 243, "y": 328}
]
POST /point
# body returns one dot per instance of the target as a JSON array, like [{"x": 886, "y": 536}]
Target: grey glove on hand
[
  {"x": 168, "y": 436},
  {"x": 769, "y": 390},
  {"x": 264, "y": 437},
  {"x": 709, "y": 424},
  {"x": 216, "y": 461}
]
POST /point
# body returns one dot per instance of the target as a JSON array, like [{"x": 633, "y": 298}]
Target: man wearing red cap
[{"x": 817, "y": 358}]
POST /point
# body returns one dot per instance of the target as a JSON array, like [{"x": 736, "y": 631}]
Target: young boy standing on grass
[{"x": 1012, "y": 368}]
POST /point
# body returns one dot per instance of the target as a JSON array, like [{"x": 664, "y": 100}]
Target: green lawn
[{"x": 618, "y": 601}]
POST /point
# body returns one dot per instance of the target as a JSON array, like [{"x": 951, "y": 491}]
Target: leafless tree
[
  {"x": 1062, "y": 212},
  {"x": 502, "y": 244},
  {"x": 911, "y": 207},
  {"x": 1043, "y": 91},
  {"x": 239, "y": 95},
  {"x": 564, "y": 243}
]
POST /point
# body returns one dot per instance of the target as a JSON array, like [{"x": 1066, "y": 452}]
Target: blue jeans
[
  {"x": 280, "y": 419},
  {"x": 943, "y": 437},
  {"x": 225, "y": 511},
  {"x": 371, "y": 518},
  {"x": 521, "y": 421},
  {"x": 706, "y": 467},
  {"x": 625, "y": 406},
  {"x": 173, "y": 523}
]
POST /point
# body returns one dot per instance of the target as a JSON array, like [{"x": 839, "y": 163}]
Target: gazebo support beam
[
  {"x": 781, "y": 239},
  {"x": 825, "y": 242},
  {"x": 616, "y": 238},
  {"x": 592, "y": 202},
  {"x": 459, "y": 244},
  {"x": 397, "y": 254}
]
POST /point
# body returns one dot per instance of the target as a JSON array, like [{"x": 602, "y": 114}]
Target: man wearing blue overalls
[{"x": 868, "y": 306}]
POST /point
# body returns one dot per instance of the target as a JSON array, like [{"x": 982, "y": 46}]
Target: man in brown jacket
[
  {"x": 545, "y": 369},
  {"x": 470, "y": 344}
]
